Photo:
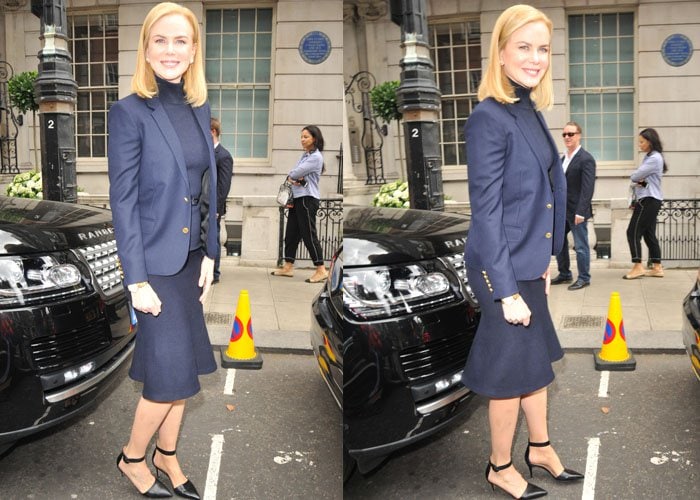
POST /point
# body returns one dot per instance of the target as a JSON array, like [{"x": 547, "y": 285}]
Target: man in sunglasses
[{"x": 579, "y": 168}]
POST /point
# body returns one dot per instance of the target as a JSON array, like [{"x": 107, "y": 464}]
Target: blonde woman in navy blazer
[
  {"x": 517, "y": 193},
  {"x": 163, "y": 197}
]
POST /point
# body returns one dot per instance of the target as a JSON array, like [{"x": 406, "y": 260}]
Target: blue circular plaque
[
  {"x": 315, "y": 47},
  {"x": 677, "y": 49}
]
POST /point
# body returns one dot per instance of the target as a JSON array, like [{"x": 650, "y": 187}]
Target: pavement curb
[{"x": 640, "y": 341}]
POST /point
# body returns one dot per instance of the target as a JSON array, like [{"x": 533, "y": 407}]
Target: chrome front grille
[
  {"x": 104, "y": 264},
  {"x": 435, "y": 358}
]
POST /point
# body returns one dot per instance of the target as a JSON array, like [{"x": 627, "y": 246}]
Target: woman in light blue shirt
[
  {"x": 647, "y": 187},
  {"x": 301, "y": 219}
]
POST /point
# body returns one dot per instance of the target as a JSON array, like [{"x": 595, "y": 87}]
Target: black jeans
[
  {"x": 301, "y": 225},
  {"x": 643, "y": 225}
]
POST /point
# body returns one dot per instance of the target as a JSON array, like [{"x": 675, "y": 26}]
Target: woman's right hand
[
  {"x": 517, "y": 312},
  {"x": 145, "y": 299}
]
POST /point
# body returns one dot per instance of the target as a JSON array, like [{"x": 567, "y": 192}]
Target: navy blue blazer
[
  {"x": 149, "y": 190},
  {"x": 518, "y": 200},
  {"x": 580, "y": 181}
]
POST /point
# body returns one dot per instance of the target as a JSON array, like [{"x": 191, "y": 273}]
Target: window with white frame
[
  {"x": 456, "y": 52},
  {"x": 601, "y": 83},
  {"x": 94, "y": 46},
  {"x": 238, "y": 55}
]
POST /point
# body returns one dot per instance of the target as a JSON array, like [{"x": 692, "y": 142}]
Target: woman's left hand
[
  {"x": 206, "y": 276},
  {"x": 547, "y": 281}
]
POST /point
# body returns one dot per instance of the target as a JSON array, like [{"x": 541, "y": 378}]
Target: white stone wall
[
  {"x": 305, "y": 94},
  {"x": 667, "y": 96}
]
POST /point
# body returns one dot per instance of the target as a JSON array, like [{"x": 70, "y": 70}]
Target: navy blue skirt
[
  {"x": 507, "y": 360},
  {"x": 173, "y": 348}
]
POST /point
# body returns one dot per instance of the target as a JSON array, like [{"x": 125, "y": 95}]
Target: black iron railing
[
  {"x": 372, "y": 139},
  {"x": 8, "y": 124},
  {"x": 329, "y": 225},
  {"x": 678, "y": 229}
]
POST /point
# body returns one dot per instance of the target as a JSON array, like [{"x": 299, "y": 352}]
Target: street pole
[
  {"x": 418, "y": 99},
  {"x": 56, "y": 92}
]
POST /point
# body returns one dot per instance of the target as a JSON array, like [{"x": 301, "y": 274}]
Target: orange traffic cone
[
  {"x": 241, "y": 351},
  {"x": 614, "y": 354}
]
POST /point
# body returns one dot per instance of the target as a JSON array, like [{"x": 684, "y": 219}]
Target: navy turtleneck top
[
  {"x": 529, "y": 114},
  {"x": 193, "y": 142}
]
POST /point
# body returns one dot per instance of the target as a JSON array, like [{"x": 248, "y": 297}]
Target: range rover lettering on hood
[
  {"x": 89, "y": 235},
  {"x": 456, "y": 243}
]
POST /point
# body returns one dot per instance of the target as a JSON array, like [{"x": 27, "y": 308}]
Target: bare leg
[
  {"x": 503, "y": 417},
  {"x": 148, "y": 418},
  {"x": 167, "y": 440},
  {"x": 535, "y": 409}
]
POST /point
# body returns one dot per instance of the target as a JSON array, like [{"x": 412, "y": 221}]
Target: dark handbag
[{"x": 284, "y": 195}]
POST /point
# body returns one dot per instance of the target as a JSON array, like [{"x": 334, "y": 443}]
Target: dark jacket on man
[
  {"x": 224, "y": 172},
  {"x": 580, "y": 181}
]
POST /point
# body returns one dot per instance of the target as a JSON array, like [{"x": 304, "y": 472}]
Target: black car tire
[{"x": 348, "y": 465}]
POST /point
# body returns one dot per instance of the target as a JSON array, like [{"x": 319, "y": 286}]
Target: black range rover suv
[
  {"x": 392, "y": 329},
  {"x": 66, "y": 326}
]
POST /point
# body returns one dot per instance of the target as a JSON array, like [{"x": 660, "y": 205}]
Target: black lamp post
[
  {"x": 56, "y": 92},
  {"x": 418, "y": 99}
]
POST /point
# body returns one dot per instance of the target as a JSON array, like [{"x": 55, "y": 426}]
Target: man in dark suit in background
[
  {"x": 579, "y": 167},
  {"x": 224, "y": 172}
]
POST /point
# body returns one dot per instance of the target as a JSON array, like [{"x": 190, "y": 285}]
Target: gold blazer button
[{"x": 185, "y": 230}]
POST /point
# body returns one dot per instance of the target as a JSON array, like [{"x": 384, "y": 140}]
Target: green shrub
[
  {"x": 21, "y": 91},
  {"x": 383, "y": 99},
  {"x": 392, "y": 195},
  {"x": 26, "y": 185}
]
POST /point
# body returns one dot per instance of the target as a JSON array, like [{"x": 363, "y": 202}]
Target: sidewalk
[
  {"x": 281, "y": 308},
  {"x": 651, "y": 309}
]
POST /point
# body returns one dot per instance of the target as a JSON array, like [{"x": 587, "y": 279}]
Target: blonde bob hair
[
  {"x": 495, "y": 81},
  {"x": 143, "y": 82}
]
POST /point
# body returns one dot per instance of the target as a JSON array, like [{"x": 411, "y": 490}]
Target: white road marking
[
  {"x": 217, "y": 444},
  {"x": 603, "y": 387},
  {"x": 230, "y": 377},
  {"x": 591, "y": 469}
]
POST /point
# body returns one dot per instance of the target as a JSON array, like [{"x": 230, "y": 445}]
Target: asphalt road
[
  {"x": 277, "y": 434},
  {"x": 646, "y": 427}
]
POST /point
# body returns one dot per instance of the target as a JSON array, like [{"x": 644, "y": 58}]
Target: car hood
[
  {"x": 377, "y": 236},
  {"x": 29, "y": 226}
]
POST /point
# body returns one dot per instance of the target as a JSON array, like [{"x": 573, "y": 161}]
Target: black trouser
[
  {"x": 301, "y": 225},
  {"x": 643, "y": 225}
]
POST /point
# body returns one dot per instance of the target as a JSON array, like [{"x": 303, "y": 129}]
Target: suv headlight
[
  {"x": 25, "y": 279},
  {"x": 388, "y": 291}
]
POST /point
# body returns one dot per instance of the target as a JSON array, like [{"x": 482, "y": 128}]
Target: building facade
[
  {"x": 618, "y": 67},
  {"x": 272, "y": 67}
]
